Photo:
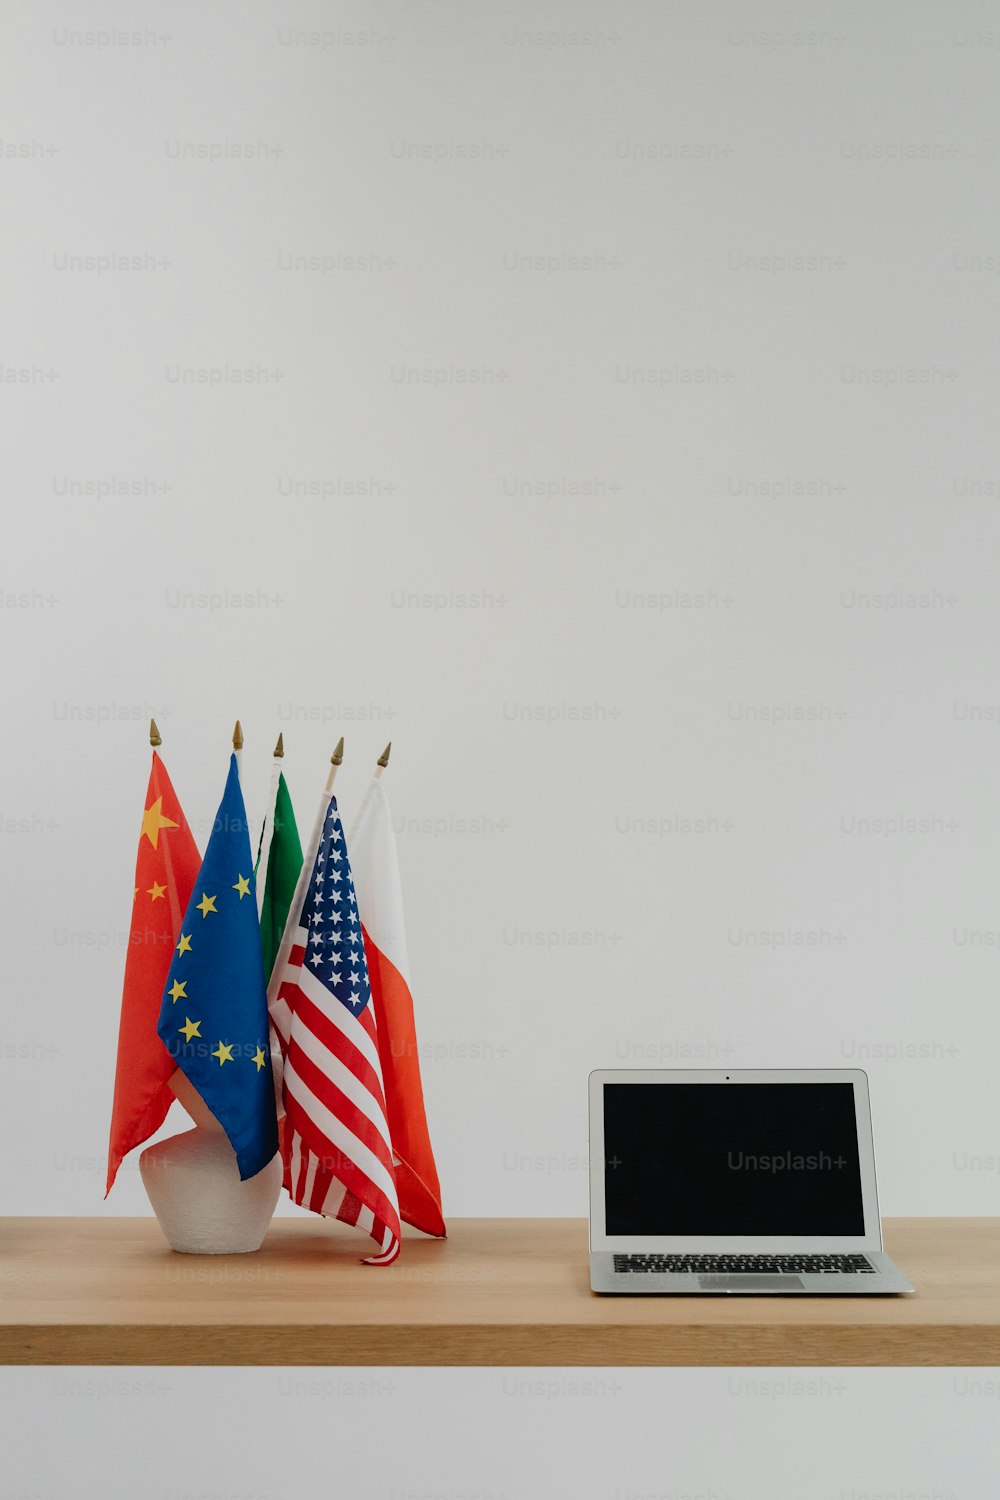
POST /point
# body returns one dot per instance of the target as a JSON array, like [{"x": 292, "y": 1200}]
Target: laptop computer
[{"x": 744, "y": 1181}]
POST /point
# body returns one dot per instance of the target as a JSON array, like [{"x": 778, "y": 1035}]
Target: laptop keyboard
[{"x": 735, "y": 1265}]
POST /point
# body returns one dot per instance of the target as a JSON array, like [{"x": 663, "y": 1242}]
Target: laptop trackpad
[{"x": 750, "y": 1283}]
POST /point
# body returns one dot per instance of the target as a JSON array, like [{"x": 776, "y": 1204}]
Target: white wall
[{"x": 640, "y": 484}]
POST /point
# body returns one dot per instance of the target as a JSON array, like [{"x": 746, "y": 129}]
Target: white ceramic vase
[{"x": 194, "y": 1185}]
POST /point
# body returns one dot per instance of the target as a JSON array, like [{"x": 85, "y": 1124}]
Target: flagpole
[
  {"x": 383, "y": 761},
  {"x": 264, "y": 846},
  {"x": 154, "y": 735},
  {"x": 238, "y": 752},
  {"x": 335, "y": 763}
]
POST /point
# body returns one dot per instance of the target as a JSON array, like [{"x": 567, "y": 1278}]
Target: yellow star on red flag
[{"x": 153, "y": 819}]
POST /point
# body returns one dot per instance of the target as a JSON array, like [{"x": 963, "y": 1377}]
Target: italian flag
[
  {"x": 375, "y": 866},
  {"x": 281, "y": 853}
]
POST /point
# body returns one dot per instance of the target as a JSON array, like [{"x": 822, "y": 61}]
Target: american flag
[{"x": 335, "y": 1146}]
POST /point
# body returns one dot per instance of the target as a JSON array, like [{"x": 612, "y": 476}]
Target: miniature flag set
[{"x": 272, "y": 996}]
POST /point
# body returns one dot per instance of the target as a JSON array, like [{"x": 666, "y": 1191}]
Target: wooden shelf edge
[{"x": 504, "y": 1345}]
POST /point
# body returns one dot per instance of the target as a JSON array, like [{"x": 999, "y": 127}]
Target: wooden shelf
[{"x": 496, "y": 1292}]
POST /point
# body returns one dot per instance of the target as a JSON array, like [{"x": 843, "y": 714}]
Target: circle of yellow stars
[
  {"x": 153, "y": 820},
  {"x": 178, "y": 990}
]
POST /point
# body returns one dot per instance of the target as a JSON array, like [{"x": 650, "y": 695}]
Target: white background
[{"x": 620, "y": 443}]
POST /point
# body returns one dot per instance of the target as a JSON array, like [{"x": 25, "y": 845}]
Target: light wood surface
[{"x": 496, "y": 1292}]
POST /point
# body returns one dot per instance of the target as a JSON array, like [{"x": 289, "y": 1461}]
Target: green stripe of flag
[{"x": 284, "y": 861}]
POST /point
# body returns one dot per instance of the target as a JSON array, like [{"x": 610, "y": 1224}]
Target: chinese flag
[{"x": 166, "y": 867}]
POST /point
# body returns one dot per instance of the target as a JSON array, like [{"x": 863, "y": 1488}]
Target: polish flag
[{"x": 375, "y": 864}]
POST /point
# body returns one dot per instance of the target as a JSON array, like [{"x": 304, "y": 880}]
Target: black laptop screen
[{"x": 731, "y": 1159}]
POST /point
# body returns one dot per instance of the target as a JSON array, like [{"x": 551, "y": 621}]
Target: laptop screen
[{"x": 731, "y": 1159}]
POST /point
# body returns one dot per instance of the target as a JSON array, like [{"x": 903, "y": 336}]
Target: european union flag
[{"x": 213, "y": 1019}]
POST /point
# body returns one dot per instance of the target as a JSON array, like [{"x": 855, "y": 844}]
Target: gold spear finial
[
  {"x": 335, "y": 759},
  {"x": 279, "y": 748},
  {"x": 383, "y": 759},
  {"x": 154, "y": 734},
  {"x": 238, "y": 736}
]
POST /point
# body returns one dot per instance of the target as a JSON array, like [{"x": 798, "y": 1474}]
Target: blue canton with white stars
[{"x": 335, "y": 950}]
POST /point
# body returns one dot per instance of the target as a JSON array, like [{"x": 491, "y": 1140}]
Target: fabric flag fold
[
  {"x": 336, "y": 1146},
  {"x": 165, "y": 869},
  {"x": 375, "y": 862},
  {"x": 282, "y": 862},
  {"x": 213, "y": 1016}
]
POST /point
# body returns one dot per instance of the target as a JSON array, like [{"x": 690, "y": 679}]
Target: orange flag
[{"x": 166, "y": 867}]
